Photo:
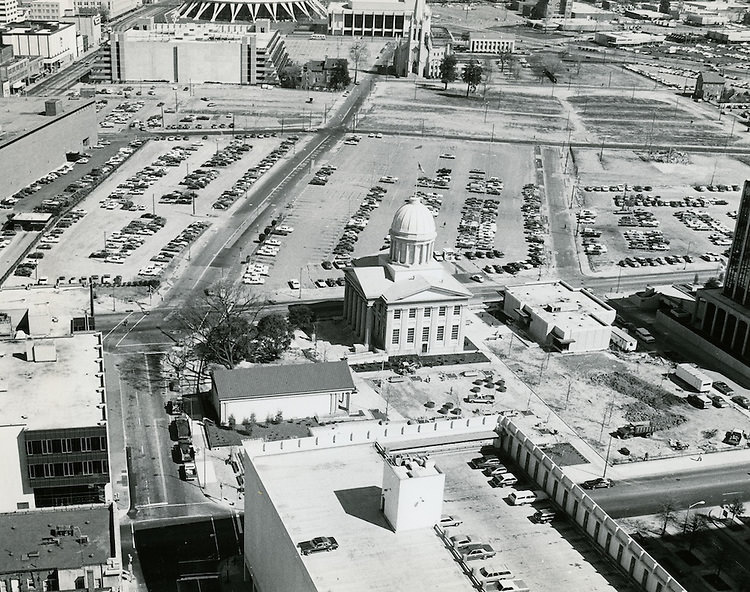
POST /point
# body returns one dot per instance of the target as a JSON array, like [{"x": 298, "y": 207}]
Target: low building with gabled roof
[{"x": 298, "y": 390}]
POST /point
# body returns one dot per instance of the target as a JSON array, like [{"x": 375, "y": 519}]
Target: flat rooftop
[
  {"x": 198, "y": 32},
  {"x": 336, "y": 492},
  {"x": 35, "y": 27},
  {"x": 19, "y": 117},
  {"x": 557, "y": 295},
  {"x": 49, "y": 539},
  {"x": 50, "y": 309},
  {"x": 49, "y": 395}
]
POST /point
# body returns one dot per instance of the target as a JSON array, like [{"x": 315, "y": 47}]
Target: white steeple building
[{"x": 403, "y": 301}]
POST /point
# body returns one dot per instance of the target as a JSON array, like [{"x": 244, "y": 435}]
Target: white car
[
  {"x": 448, "y": 156},
  {"x": 294, "y": 284},
  {"x": 253, "y": 280}
]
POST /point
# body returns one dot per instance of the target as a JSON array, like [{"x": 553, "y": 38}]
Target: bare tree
[
  {"x": 667, "y": 514},
  {"x": 359, "y": 52},
  {"x": 736, "y": 508},
  {"x": 221, "y": 327}
]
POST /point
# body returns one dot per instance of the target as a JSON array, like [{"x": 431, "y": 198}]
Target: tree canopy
[
  {"x": 472, "y": 76},
  {"x": 448, "y": 72}
]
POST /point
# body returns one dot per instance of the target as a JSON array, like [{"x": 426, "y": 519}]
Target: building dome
[
  {"x": 414, "y": 221},
  {"x": 412, "y": 234}
]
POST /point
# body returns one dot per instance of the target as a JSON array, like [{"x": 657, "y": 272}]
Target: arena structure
[{"x": 245, "y": 11}]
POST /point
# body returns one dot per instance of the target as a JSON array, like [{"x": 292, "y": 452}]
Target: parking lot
[
  {"x": 348, "y": 212},
  {"x": 133, "y": 222},
  {"x": 654, "y": 214},
  {"x": 544, "y": 556}
]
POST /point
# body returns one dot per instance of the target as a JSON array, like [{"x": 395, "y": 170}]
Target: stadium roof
[{"x": 243, "y": 11}]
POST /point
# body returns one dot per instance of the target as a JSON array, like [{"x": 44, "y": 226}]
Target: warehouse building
[
  {"x": 32, "y": 142},
  {"x": 198, "y": 53}
]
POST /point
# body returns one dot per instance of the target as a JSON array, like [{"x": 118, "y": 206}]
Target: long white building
[{"x": 198, "y": 53}]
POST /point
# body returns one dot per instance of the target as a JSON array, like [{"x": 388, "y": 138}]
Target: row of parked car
[
  {"x": 119, "y": 245},
  {"x": 648, "y": 240},
  {"x": 229, "y": 196},
  {"x": 535, "y": 228},
  {"x": 179, "y": 243},
  {"x": 357, "y": 223},
  {"x": 121, "y": 114},
  {"x": 654, "y": 261},
  {"x": 478, "y": 225}
]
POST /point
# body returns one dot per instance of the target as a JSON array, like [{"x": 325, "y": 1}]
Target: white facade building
[
  {"x": 9, "y": 12},
  {"x": 48, "y": 10},
  {"x": 113, "y": 8},
  {"x": 198, "y": 53},
  {"x": 480, "y": 42},
  {"x": 300, "y": 390},
  {"x": 405, "y": 302},
  {"x": 557, "y": 315},
  {"x": 55, "y": 42}
]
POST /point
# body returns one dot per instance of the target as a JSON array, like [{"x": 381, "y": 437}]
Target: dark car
[
  {"x": 742, "y": 401},
  {"x": 317, "y": 545},
  {"x": 600, "y": 483},
  {"x": 724, "y": 388},
  {"x": 718, "y": 401}
]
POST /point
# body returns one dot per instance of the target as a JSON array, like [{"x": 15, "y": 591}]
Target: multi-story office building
[
  {"x": 54, "y": 428},
  {"x": 55, "y": 42},
  {"x": 723, "y": 315},
  {"x": 48, "y": 10},
  {"x": 198, "y": 52},
  {"x": 483, "y": 42},
  {"x": 9, "y": 12}
]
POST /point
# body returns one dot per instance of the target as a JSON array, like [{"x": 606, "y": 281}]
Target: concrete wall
[
  {"x": 290, "y": 407},
  {"x": 268, "y": 543},
  {"x": 31, "y": 156},
  {"x": 13, "y": 471},
  {"x": 603, "y": 531},
  {"x": 217, "y": 62},
  {"x": 362, "y": 432},
  {"x": 718, "y": 359}
]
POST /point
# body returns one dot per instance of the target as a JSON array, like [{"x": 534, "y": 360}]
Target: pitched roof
[{"x": 273, "y": 381}]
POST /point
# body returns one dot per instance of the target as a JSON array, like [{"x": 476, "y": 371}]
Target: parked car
[
  {"x": 446, "y": 521},
  {"x": 317, "y": 545},
  {"x": 600, "y": 483},
  {"x": 476, "y": 551},
  {"x": 723, "y": 388},
  {"x": 485, "y": 461},
  {"x": 718, "y": 401},
  {"x": 742, "y": 401}
]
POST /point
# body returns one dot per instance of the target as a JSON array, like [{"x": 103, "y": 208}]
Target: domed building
[{"x": 403, "y": 301}]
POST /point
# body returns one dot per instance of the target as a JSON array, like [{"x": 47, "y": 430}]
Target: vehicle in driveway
[
  {"x": 476, "y": 551},
  {"x": 599, "y": 483},
  {"x": 459, "y": 541},
  {"x": 318, "y": 545}
]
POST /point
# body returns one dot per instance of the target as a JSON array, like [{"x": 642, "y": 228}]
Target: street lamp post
[{"x": 687, "y": 514}]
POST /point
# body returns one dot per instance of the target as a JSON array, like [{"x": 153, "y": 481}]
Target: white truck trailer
[{"x": 694, "y": 377}]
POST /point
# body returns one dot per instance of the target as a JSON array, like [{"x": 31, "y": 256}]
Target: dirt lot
[{"x": 585, "y": 391}]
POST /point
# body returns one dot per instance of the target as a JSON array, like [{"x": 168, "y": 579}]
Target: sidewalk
[{"x": 218, "y": 470}]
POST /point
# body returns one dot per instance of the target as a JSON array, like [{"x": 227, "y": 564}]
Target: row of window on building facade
[
  {"x": 66, "y": 445},
  {"x": 442, "y": 310},
  {"x": 396, "y": 337},
  {"x": 68, "y": 469}
]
